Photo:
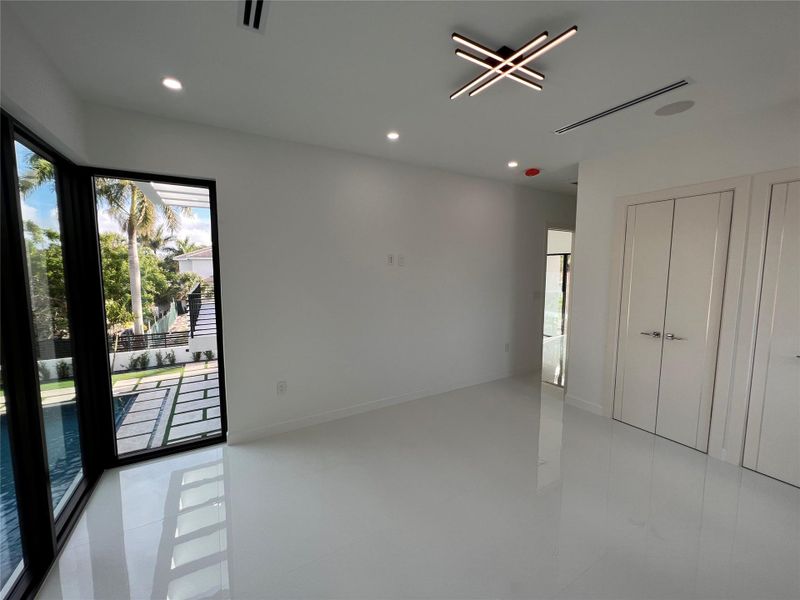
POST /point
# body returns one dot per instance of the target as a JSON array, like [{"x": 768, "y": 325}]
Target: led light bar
[
  {"x": 547, "y": 47},
  {"x": 498, "y": 69},
  {"x": 460, "y": 39},
  {"x": 485, "y": 65}
]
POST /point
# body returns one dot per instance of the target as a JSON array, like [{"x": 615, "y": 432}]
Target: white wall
[
  {"x": 304, "y": 234},
  {"x": 559, "y": 242},
  {"x": 755, "y": 143},
  {"x": 35, "y": 93},
  {"x": 307, "y": 295}
]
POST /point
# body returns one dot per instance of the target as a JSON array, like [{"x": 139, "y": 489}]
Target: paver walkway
[{"x": 169, "y": 408}]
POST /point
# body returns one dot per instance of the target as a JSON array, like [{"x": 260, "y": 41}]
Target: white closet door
[
  {"x": 700, "y": 229},
  {"x": 772, "y": 445},
  {"x": 645, "y": 269}
]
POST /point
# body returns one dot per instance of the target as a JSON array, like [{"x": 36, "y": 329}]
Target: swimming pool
[{"x": 63, "y": 451}]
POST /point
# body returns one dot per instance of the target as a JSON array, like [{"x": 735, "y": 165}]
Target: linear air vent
[
  {"x": 253, "y": 14},
  {"x": 623, "y": 106}
]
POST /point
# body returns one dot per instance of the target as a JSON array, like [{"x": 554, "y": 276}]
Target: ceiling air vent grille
[
  {"x": 253, "y": 14},
  {"x": 623, "y": 106}
]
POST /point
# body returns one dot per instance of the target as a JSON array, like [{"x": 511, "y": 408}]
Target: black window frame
[
  {"x": 152, "y": 453},
  {"x": 43, "y": 534}
]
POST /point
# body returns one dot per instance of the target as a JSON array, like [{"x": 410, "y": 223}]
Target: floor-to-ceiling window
[
  {"x": 161, "y": 302},
  {"x": 41, "y": 226},
  {"x": 110, "y": 349}
]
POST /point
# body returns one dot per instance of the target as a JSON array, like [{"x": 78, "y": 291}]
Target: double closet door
[
  {"x": 673, "y": 280},
  {"x": 772, "y": 443}
]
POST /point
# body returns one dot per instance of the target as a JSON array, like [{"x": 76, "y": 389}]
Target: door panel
[
  {"x": 772, "y": 444},
  {"x": 700, "y": 231},
  {"x": 647, "y": 249}
]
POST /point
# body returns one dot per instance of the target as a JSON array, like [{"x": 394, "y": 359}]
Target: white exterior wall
[{"x": 202, "y": 266}]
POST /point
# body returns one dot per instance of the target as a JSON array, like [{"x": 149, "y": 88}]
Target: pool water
[{"x": 64, "y": 456}]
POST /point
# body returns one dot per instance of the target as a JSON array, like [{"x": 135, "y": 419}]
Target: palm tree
[
  {"x": 40, "y": 171},
  {"x": 136, "y": 215},
  {"x": 157, "y": 239},
  {"x": 183, "y": 246},
  {"x": 128, "y": 205}
]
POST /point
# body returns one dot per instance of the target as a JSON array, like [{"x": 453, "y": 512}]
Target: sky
[
  {"x": 196, "y": 226},
  {"x": 41, "y": 207}
]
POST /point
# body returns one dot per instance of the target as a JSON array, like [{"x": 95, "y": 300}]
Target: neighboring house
[{"x": 198, "y": 261}]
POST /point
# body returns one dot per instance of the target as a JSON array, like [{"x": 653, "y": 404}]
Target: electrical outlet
[
  {"x": 390, "y": 259},
  {"x": 282, "y": 387},
  {"x": 401, "y": 260}
]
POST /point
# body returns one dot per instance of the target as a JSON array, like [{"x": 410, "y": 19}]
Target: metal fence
[
  {"x": 125, "y": 343},
  {"x": 199, "y": 293}
]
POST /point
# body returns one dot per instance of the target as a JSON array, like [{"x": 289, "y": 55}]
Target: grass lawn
[
  {"x": 68, "y": 383},
  {"x": 56, "y": 385},
  {"x": 137, "y": 374}
]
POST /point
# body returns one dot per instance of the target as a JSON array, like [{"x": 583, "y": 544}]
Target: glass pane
[
  {"x": 42, "y": 231},
  {"x": 158, "y": 278},
  {"x": 10, "y": 541},
  {"x": 554, "y": 296}
]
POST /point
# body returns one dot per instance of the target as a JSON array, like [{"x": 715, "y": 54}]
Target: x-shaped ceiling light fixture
[{"x": 506, "y": 62}]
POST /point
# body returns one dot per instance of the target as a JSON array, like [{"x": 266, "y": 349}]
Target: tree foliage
[
  {"x": 160, "y": 284},
  {"x": 46, "y": 280}
]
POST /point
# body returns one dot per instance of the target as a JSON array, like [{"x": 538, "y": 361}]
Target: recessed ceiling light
[
  {"x": 512, "y": 164},
  {"x": 675, "y": 108},
  {"x": 393, "y": 136},
  {"x": 172, "y": 84}
]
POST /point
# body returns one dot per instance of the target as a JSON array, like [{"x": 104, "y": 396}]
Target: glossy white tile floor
[{"x": 492, "y": 491}]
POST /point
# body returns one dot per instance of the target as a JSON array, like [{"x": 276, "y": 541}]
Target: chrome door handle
[
  {"x": 669, "y": 336},
  {"x": 653, "y": 334}
]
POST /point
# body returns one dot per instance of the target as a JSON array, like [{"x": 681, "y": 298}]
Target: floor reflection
[
  {"x": 492, "y": 491},
  {"x": 554, "y": 357},
  {"x": 194, "y": 539}
]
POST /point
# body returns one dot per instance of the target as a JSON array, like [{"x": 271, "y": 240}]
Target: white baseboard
[
  {"x": 249, "y": 435},
  {"x": 583, "y": 404}
]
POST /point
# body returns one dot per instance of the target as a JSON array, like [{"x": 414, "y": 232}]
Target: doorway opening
[{"x": 556, "y": 306}]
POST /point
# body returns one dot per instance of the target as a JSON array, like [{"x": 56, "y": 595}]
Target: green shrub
[
  {"x": 159, "y": 358},
  {"x": 140, "y": 362},
  {"x": 171, "y": 357},
  {"x": 62, "y": 369},
  {"x": 209, "y": 354},
  {"x": 44, "y": 372},
  {"x": 196, "y": 356}
]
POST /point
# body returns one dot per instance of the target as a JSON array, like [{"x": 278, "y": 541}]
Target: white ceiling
[{"x": 341, "y": 74}]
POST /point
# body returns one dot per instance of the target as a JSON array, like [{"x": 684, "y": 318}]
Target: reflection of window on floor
[{"x": 194, "y": 541}]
